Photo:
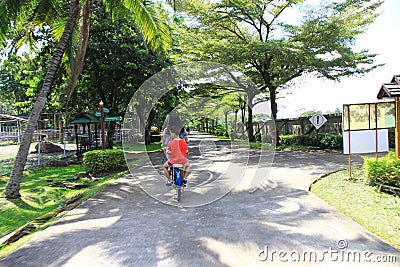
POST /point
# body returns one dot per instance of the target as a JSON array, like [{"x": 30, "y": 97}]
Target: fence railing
[{"x": 302, "y": 125}]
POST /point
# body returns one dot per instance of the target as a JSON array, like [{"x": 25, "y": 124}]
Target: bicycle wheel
[{"x": 178, "y": 193}]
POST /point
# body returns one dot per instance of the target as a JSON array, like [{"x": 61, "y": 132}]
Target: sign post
[
  {"x": 397, "y": 129},
  {"x": 103, "y": 139}
]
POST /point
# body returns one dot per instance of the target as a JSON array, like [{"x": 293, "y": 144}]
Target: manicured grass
[
  {"x": 39, "y": 196},
  {"x": 379, "y": 212},
  {"x": 281, "y": 147},
  {"x": 292, "y": 148},
  {"x": 139, "y": 147},
  {"x": 5, "y": 167}
]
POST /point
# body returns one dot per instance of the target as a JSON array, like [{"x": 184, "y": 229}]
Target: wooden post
[
  {"x": 103, "y": 139},
  {"x": 397, "y": 131},
  {"x": 78, "y": 147},
  {"x": 349, "y": 142},
  {"x": 376, "y": 131}
]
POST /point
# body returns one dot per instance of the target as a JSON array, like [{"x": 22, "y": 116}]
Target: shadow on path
[{"x": 123, "y": 226}]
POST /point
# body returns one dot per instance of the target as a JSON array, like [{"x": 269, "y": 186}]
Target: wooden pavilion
[{"x": 86, "y": 133}]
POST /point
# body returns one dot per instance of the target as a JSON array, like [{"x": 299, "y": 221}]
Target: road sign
[
  {"x": 117, "y": 118},
  {"x": 98, "y": 113},
  {"x": 318, "y": 120}
]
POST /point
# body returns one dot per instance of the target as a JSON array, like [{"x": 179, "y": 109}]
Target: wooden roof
[{"x": 391, "y": 89}]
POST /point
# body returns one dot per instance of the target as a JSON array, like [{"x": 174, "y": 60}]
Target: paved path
[{"x": 123, "y": 226}]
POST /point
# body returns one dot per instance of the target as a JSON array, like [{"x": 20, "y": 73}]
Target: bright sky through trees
[{"x": 326, "y": 95}]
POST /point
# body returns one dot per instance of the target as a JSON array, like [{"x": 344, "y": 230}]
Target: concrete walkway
[{"x": 280, "y": 224}]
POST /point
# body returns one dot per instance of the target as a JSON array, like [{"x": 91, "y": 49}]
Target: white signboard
[
  {"x": 318, "y": 120},
  {"x": 365, "y": 141}
]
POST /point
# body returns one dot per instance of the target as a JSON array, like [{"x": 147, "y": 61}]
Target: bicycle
[{"x": 177, "y": 179}]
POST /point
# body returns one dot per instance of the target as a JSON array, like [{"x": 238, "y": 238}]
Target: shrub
[
  {"x": 391, "y": 137},
  {"x": 322, "y": 140},
  {"x": 258, "y": 137},
  {"x": 220, "y": 130},
  {"x": 385, "y": 170},
  {"x": 310, "y": 140},
  {"x": 104, "y": 161},
  {"x": 331, "y": 141},
  {"x": 289, "y": 139}
]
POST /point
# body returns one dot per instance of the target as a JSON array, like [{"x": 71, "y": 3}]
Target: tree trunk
[
  {"x": 226, "y": 124},
  {"x": 243, "y": 113},
  {"x": 274, "y": 111},
  {"x": 234, "y": 128},
  {"x": 13, "y": 185},
  {"x": 79, "y": 60},
  {"x": 110, "y": 135},
  {"x": 250, "y": 130}
]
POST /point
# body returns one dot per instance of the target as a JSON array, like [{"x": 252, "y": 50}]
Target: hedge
[
  {"x": 322, "y": 140},
  {"x": 385, "y": 170},
  {"x": 104, "y": 161}
]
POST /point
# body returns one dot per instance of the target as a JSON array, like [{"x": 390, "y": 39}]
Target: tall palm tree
[{"x": 153, "y": 30}]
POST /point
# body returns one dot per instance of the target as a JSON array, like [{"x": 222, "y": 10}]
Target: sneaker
[
  {"x": 168, "y": 184},
  {"x": 184, "y": 181}
]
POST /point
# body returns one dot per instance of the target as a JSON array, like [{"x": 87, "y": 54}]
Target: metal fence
[{"x": 302, "y": 125}]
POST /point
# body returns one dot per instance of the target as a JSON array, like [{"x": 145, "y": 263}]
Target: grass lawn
[
  {"x": 378, "y": 212},
  {"x": 40, "y": 194},
  {"x": 139, "y": 147},
  {"x": 40, "y": 197},
  {"x": 246, "y": 143},
  {"x": 281, "y": 147}
]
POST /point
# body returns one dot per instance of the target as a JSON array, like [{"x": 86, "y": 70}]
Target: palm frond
[
  {"x": 10, "y": 11},
  {"x": 50, "y": 11},
  {"x": 23, "y": 16},
  {"x": 155, "y": 31}
]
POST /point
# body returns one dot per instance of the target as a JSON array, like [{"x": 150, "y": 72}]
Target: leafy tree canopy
[{"x": 275, "y": 41}]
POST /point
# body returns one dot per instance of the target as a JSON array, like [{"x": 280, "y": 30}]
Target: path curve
[{"x": 123, "y": 226}]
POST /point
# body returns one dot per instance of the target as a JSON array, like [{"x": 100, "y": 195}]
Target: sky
[{"x": 325, "y": 95}]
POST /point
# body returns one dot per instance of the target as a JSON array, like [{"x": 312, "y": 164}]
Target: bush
[
  {"x": 385, "y": 170},
  {"x": 331, "y": 141},
  {"x": 391, "y": 137},
  {"x": 322, "y": 140},
  {"x": 310, "y": 140},
  {"x": 104, "y": 161},
  {"x": 289, "y": 139},
  {"x": 220, "y": 130}
]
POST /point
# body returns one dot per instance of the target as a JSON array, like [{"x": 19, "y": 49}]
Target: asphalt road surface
[{"x": 242, "y": 208}]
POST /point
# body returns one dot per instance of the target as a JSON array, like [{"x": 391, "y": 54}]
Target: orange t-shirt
[{"x": 178, "y": 150}]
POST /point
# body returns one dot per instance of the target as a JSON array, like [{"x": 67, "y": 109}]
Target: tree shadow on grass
[{"x": 121, "y": 226}]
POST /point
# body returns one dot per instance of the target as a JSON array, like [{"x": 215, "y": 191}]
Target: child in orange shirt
[{"x": 177, "y": 149}]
